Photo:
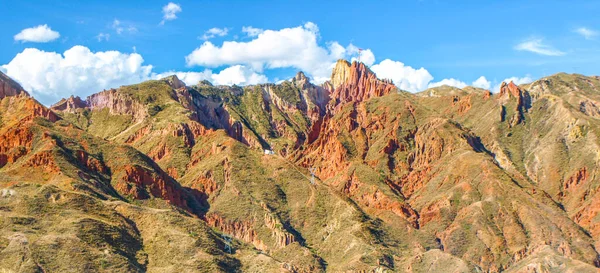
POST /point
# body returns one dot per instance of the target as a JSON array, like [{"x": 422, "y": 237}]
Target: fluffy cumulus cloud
[
  {"x": 170, "y": 11},
  {"x": 252, "y": 31},
  {"x": 50, "y": 75},
  {"x": 482, "y": 82},
  {"x": 405, "y": 77},
  {"x": 364, "y": 55},
  {"x": 237, "y": 74},
  {"x": 538, "y": 46},
  {"x": 298, "y": 48},
  {"x": 214, "y": 32},
  {"x": 38, "y": 34},
  {"x": 450, "y": 82},
  {"x": 587, "y": 33},
  {"x": 295, "y": 47}
]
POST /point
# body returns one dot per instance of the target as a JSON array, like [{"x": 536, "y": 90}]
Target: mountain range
[{"x": 353, "y": 175}]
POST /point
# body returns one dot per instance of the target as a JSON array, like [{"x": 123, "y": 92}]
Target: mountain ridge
[{"x": 403, "y": 182}]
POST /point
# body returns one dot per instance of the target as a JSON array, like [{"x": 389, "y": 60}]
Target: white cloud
[
  {"x": 366, "y": 55},
  {"x": 50, "y": 75},
  {"x": 515, "y": 80},
  {"x": 537, "y": 46},
  {"x": 119, "y": 27},
  {"x": 102, "y": 36},
  {"x": 252, "y": 31},
  {"x": 38, "y": 34},
  {"x": 214, "y": 32},
  {"x": 587, "y": 33},
  {"x": 295, "y": 47},
  {"x": 404, "y": 77},
  {"x": 450, "y": 82},
  {"x": 238, "y": 74},
  {"x": 170, "y": 12},
  {"x": 482, "y": 82}
]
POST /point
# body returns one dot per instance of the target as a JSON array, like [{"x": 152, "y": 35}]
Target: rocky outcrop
[
  {"x": 174, "y": 82},
  {"x": 70, "y": 104},
  {"x": 142, "y": 183},
  {"x": 9, "y": 87},
  {"x": 523, "y": 101},
  {"x": 117, "y": 104},
  {"x": 356, "y": 83},
  {"x": 241, "y": 230}
]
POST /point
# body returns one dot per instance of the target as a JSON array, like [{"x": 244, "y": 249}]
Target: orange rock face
[
  {"x": 523, "y": 101},
  {"x": 356, "y": 83},
  {"x": 141, "y": 183},
  {"x": 241, "y": 230}
]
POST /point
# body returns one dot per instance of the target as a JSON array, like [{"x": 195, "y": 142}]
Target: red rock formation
[
  {"x": 463, "y": 104},
  {"x": 205, "y": 183},
  {"x": 282, "y": 237},
  {"x": 356, "y": 83},
  {"x": 8, "y": 87},
  {"x": 90, "y": 163},
  {"x": 579, "y": 177},
  {"x": 44, "y": 160},
  {"x": 69, "y": 105},
  {"x": 586, "y": 216},
  {"x": 38, "y": 110},
  {"x": 508, "y": 91},
  {"x": 242, "y": 230},
  {"x": 14, "y": 144},
  {"x": 141, "y": 183},
  {"x": 139, "y": 134}
]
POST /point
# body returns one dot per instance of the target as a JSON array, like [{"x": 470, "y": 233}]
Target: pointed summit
[
  {"x": 300, "y": 77},
  {"x": 344, "y": 71},
  {"x": 70, "y": 104},
  {"x": 356, "y": 82},
  {"x": 173, "y": 81}
]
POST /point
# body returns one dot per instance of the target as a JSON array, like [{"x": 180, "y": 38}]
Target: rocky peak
[
  {"x": 69, "y": 104},
  {"x": 510, "y": 89},
  {"x": 174, "y": 82},
  {"x": 300, "y": 77},
  {"x": 204, "y": 83},
  {"x": 301, "y": 81},
  {"x": 355, "y": 83},
  {"x": 340, "y": 73},
  {"x": 523, "y": 102},
  {"x": 8, "y": 87}
]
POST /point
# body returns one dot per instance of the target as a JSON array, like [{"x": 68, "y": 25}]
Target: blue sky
[{"x": 459, "y": 40}]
